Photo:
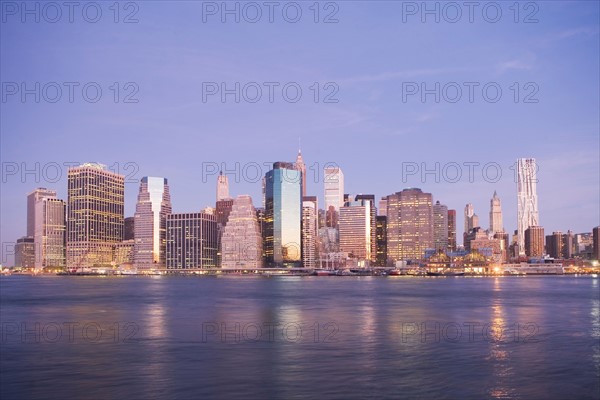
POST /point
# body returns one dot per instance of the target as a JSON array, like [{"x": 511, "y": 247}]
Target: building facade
[
  {"x": 527, "y": 201},
  {"x": 333, "y": 179},
  {"x": 440, "y": 227},
  {"x": 153, "y": 206},
  {"x": 241, "y": 240},
  {"x": 25, "y": 252},
  {"x": 191, "y": 241},
  {"x": 94, "y": 215},
  {"x": 496, "y": 224},
  {"x": 50, "y": 233},
  {"x": 534, "y": 241},
  {"x": 310, "y": 232},
  {"x": 283, "y": 216},
  {"x": 409, "y": 224},
  {"x": 355, "y": 230},
  {"x": 452, "y": 230}
]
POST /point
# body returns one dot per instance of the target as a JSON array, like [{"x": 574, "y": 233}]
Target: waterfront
[{"x": 300, "y": 337}]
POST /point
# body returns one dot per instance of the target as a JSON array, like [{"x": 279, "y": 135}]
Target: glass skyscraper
[
  {"x": 153, "y": 206},
  {"x": 283, "y": 216}
]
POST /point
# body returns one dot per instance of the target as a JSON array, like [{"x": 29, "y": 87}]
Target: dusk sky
[{"x": 369, "y": 55}]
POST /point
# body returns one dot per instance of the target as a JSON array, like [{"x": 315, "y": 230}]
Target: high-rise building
[
  {"x": 300, "y": 166},
  {"x": 222, "y": 187},
  {"x": 534, "y": 241},
  {"x": 222, "y": 210},
  {"x": 241, "y": 241},
  {"x": 355, "y": 229},
  {"x": 283, "y": 216},
  {"x": 25, "y": 252},
  {"x": 440, "y": 227},
  {"x": 504, "y": 244},
  {"x": 496, "y": 214},
  {"x": 153, "y": 206},
  {"x": 94, "y": 215},
  {"x": 471, "y": 221},
  {"x": 409, "y": 224},
  {"x": 383, "y": 206},
  {"x": 191, "y": 241},
  {"x": 452, "y": 230},
  {"x": 310, "y": 232},
  {"x": 527, "y": 201},
  {"x": 381, "y": 238},
  {"x": 596, "y": 243},
  {"x": 50, "y": 233},
  {"x": 32, "y": 199},
  {"x": 559, "y": 245},
  {"x": 373, "y": 211},
  {"x": 129, "y": 228},
  {"x": 333, "y": 179}
]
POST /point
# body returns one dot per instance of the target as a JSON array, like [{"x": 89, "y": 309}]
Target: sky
[{"x": 380, "y": 88}]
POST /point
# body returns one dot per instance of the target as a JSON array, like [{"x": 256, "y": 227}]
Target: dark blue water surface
[{"x": 300, "y": 337}]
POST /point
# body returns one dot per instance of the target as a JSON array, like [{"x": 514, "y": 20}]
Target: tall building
[
  {"x": 222, "y": 187},
  {"x": 471, "y": 221},
  {"x": 241, "y": 241},
  {"x": 355, "y": 228},
  {"x": 504, "y": 244},
  {"x": 383, "y": 206},
  {"x": 409, "y": 224},
  {"x": 452, "y": 230},
  {"x": 440, "y": 227},
  {"x": 153, "y": 206},
  {"x": 596, "y": 243},
  {"x": 381, "y": 239},
  {"x": 50, "y": 233},
  {"x": 32, "y": 199},
  {"x": 283, "y": 216},
  {"x": 534, "y": 241},
  {"x": 129, "y": 228},
  {"x": 94, "y": 215},
  {"x": 310, "y": 232},
  {"x": 25, "y": 252},
  {"x": 527, "y": 201},
  {"x": 333, "y": 179},
  {"x": 191, "y": 241},
  {"x": 373, "y": 211},
  {"x": 559, "y": 245},
  {"x": 496, "y": 214},
  {"x": 300, "y": 166}
]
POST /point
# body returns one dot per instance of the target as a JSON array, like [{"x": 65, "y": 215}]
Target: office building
[
  {"x": 310, "y": 232},
  {"x": 440, "y": 227},
  {"x": 527, "y": 201},
  {"x": 50, "y": 233},
  {"x": 452, "y": 230},
  {"x": 241, "y": 240},
  {"x": 191, "y": 241},
  {"x": 534, "y": 241},
  {"x": 496, "y": 214}
]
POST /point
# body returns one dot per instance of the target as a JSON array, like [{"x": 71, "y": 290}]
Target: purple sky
[{"x": 370, "y": 57}]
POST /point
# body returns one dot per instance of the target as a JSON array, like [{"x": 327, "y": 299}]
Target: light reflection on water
[{"x": 346, "y": 337}]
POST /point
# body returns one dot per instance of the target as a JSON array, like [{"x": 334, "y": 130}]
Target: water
[{"x": 300, "y": 337}]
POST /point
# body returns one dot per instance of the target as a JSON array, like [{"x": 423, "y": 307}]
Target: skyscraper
[
  {"x": 283, "y": 216},
  {"x": 333, "y": 179},
  {"x": 33, "y": 198},
  {"x": 300, "y": 166},
  {"x": 440, "y": 227},
  {"x": 191, "y": 241},
  {"x": 527, "y": 201},
  {"x": 355, "y": 226},
  {"x": 373, "y": 211},
  {"x": 496, "y": 214},
  {"x": 310, "y": 232},
  {"x": 382, "y": 210},
  {"x": 381, "y": 238},
  {"x": 409, "y": 224},
  {"x": 534, "y": 241},
  {"x": 452, "y": 230},
  {"x": 25, "y": 252},
  {"x": 596, "y": 243},
  {"x": 153, "y": 206},
  {"x": 94, "y": 215},
  {"x": 469, "y": 212},
  {"x": 241, "y": 241},
  {"x": 50, "y": 233},
  {"x": 222, "y": 187}
]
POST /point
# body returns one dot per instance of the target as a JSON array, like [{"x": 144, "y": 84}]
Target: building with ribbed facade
[
  {"x": 241, "y": 240},
  {"x": 191, "y": 241},
  {"x": 94, "y": 215},
  {"x": 153, "y": 206},
  {"x": 50, "y": 233},
  {"x": 355, "y": 226},
  {"x": 527, "y": 201},
  {"x": 310, "y": 232},
  {"x": 409, "y": 224},
  {"x": 440, "y": 227}
]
